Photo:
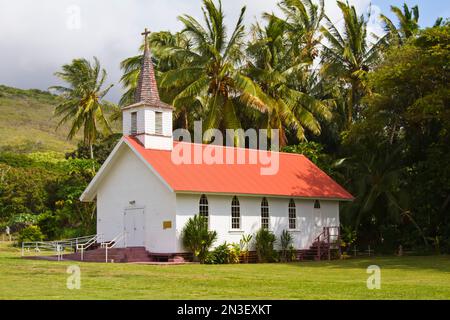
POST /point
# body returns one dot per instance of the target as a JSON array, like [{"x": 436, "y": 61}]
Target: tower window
[
  {"x": 158, "y": 123},
  {"x": 133, "y": 129}
]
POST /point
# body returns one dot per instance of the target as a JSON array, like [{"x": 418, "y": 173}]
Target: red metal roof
[{"x": 296, "y": 176}]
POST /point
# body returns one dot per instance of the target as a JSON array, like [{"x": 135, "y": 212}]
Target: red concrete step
[{"x": 134, "y": 254}]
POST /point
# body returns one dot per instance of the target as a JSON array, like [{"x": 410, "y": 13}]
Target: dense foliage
[
  {"x": 399, "y": 152},
  {"x": 43, "y": 189}
]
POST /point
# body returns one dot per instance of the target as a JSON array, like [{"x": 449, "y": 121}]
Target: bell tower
[{"x": 148, "y": 119}]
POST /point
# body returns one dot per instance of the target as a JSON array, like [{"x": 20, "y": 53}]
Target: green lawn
[{"x": 401, "y": 278}]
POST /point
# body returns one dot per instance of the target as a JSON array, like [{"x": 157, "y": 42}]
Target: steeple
[
  {"x": 148, "y": 119},
  {"x": 147, "y": 90}
]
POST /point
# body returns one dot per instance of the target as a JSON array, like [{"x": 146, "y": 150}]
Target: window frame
[
  {"x": 133, "y": 123},
  {"x": 265, "y": 214},
  {"x": 235, "y": 208},
  {"x": 292, "y": 215},
  {"x": 159, "y": 129},
  {"x": 203, "y": 207},
  {"x": 317, "y": 204},
  {"x": 317, "y": 214}
]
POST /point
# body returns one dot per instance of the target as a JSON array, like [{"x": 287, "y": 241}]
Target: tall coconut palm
[
  {"x": 83, "y": 103},
  {"x": 408, "y": 24},
  {"x": 302, "y": 21},
  {"x": 275, "y": 66},
  {"x": 349, "y": 56},
  {"x": 211, "y": 74}
]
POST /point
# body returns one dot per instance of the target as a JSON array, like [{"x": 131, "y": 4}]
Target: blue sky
[
  {"x": 429, "y": 9},
  {"x": 37, "y": 37}
]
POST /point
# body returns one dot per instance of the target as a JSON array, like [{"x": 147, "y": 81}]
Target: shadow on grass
[{"x": 437, "y": 263}]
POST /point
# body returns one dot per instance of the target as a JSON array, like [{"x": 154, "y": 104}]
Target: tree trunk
[
  {"x": 91, "y": 150},
  {"x": 185, "y": 120},
  {"x": 351, "y": 104}
]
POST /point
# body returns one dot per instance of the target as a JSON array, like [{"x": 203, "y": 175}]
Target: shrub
[
  {"x": 286, "y": 246},
  {"x": 48, "y": 223},
  {"x": 30, "y": 234},
  {"x": 219, "y": 255},
  {"x": 22, "y": 220},
  {"x": 196, "y": 237},
  {"x": 244, "y": 246},
  {"x": 348, "y": 237},
  {"x": 264, "y": 241},
  {"x": 225, "y": 253},
  {"x": 234, "y": 253}
]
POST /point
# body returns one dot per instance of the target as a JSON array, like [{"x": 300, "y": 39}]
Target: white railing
[
  {"x": 111, "y": 244},
  {"x": 57, "y": 246},
  {"x": 82, "y": 247}
]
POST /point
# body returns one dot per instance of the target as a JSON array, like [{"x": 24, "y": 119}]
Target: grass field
[
  {"x": 401, "y": 278},
  {"x": 27, "y": 122}
]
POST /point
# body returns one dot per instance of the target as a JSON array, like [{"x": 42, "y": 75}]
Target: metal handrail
[
  {"x": 327, "y": 237},
  {"x": 111, "y": 244},
  {"x": 55, "y": 245},
  {"x": 84, "y": 246}
]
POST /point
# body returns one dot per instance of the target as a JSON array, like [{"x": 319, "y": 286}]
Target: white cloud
[{"x": 37, "y": 37}]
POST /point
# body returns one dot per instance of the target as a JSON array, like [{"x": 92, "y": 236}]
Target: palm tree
[
  {"x": 169, "y": 52},
  {"x": 302, "y": 22},
  {"x": 82, "y": 103},
  {"x": 349, "y": 56},
  {"x": 197, "y": 238},
  {"x": 275, "y": 66},
  {"x": 211, "y": 74},
  {"x": 408, "y": 24}
]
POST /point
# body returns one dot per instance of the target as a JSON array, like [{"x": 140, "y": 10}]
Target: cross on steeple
[{"x": 145, "y": 34}]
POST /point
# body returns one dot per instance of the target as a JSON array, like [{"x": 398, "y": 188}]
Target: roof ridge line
[{"x": 250, "y": 149}]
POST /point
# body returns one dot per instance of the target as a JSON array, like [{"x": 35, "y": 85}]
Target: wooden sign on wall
[{"x": 167, "y": 225}]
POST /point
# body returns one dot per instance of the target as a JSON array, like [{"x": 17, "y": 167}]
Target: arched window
[
  {"x": 203, "y": 207},
  {"x": 317, "y": 214},
  {"x": 292, "y": 215},
  {"x": 264, "y": 214},
  {"x": 317, "y": 204},
  {"x": 235, "y": 214}
]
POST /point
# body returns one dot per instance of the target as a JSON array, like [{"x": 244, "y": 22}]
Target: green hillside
[{"x": 27, "y": 123}]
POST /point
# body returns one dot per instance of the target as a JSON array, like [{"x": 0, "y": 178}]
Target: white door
[{"x": 134, "y": 227}]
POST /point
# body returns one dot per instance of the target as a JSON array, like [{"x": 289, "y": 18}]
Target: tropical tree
[
  {"x": 211, "y": 74},
  {"x": 274, "y": 64},
  {"x": 408, "y": 24},
  {"x": 83, "y": 103},
  {"x": 348, "y": 56},
  {"x": 302, "y": 22}
]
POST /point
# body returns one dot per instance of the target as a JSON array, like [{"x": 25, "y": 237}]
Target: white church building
[{"x": 142, "y": 192}]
